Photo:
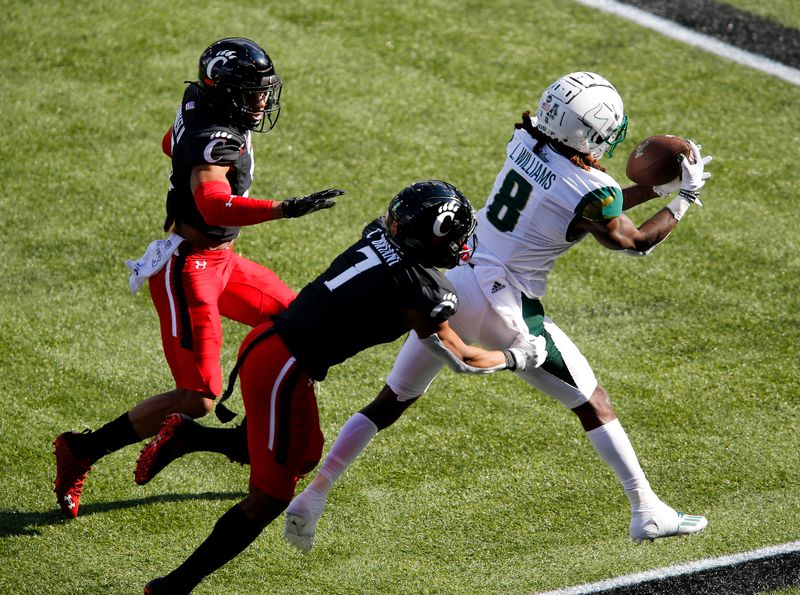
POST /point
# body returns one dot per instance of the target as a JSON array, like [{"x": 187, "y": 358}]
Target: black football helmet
[
  {"x": 238, "y": 78},
  {"x": 431, "y": 222}
]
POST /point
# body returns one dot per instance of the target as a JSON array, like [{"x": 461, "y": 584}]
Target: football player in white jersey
[{"x": 550, "y": 193}]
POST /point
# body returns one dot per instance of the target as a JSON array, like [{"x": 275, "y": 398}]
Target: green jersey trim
[{"x": 601, "y": 203}]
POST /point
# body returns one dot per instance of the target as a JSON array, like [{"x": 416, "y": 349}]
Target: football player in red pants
[
  {"x": 195, "y": 276},
  {"x": 374, "y": 292}
]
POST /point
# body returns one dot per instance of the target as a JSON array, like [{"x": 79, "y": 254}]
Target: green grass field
[{"x": 484, "y": 486}]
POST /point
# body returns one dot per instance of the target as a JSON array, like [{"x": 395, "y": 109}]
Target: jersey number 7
[{"x": 372, "y": 259}]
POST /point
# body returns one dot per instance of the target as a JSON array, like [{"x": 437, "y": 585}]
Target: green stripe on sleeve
[{"x": 601, "y": 203}]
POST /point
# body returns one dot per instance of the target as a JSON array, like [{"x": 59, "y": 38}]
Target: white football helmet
[{"x": 584, "y": 111}]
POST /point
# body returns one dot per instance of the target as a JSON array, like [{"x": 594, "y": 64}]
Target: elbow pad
[{"x": 434, "y": 344}]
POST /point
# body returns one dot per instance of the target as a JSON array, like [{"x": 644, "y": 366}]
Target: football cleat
[
  {"x": 156, "y": 586},
  {"x": 664, "y": 521},
  {"x": 70, "y": 473},
  {"x": 302, "y": 516},
  {"x": 164, "y": 448}
]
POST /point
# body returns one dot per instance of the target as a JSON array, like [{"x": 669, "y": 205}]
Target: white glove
[
  {"x": 693, "y": 174},
  {"x": 668, "y": 188},
  {"x": 529, "y": 354},
  {"x": 692, "y": 178}
]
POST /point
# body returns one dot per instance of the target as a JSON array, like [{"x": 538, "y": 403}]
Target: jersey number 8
[{"x": 509, "y": 201}]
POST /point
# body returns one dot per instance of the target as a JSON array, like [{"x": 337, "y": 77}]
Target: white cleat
[
  {"x": 302, "y": 516},
  {"x": 664, "y": 521}
]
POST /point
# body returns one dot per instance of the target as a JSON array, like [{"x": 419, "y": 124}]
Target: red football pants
[
  {"x": 283, "y": 433},
  {"x": 192, "y": 292}
]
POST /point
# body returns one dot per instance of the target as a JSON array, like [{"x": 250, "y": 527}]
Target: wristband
[
  {"x": 511, "y": 363},
  {"x": 692, "y": 196},
  {"x": 678, "y": 206}
]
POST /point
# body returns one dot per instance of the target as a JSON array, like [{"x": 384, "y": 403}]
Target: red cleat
[
  {"x": 156, "y": 586},
  {"x": 70, "y": 473},
  {"x": 162, "y": 449}
]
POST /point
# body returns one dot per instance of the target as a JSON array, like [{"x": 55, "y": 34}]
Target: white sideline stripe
[
  {"x": 671, "y": 571},
  {"x": 710, "y": 44}
]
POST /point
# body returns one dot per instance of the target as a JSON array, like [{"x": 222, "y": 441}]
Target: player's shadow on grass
[{"x": 14, "y": 524}]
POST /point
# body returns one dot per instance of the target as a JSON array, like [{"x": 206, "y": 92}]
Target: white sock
[
  {"x": 352, "y": 439},
  {"x": 612, "y": 444}
]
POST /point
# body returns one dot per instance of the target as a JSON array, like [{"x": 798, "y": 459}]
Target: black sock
[
  {"x": 231, "y": 535},
  {"x": 111, "y": 437},
  {"x": 231, "y": 442}
]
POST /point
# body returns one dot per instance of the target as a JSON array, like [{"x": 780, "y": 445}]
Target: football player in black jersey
[
  {"x": 195, "y": 276},
  {"x": 374, "y": 292}
]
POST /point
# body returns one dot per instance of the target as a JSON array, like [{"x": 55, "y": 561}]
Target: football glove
[
  {"x": 692, "y": 178},
  {"x": 297, "y": 207},
  {"x": 529, "y": 354},
  {"x": 668, "y": 188}
]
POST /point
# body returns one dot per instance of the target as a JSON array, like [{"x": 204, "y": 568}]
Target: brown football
[{"x": 654, "y": 161}]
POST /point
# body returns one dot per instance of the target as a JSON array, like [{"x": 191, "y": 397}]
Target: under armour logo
[
  {"x": 200, "y": 264},
  {"x": 68, "y": 500}
]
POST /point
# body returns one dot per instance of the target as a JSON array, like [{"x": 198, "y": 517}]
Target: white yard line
[
  {"x": 681, "y": 569},
  {"x": 705, "y": 42}
]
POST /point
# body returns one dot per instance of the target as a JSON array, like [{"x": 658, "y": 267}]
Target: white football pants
[{"x": 498, "y": 320}]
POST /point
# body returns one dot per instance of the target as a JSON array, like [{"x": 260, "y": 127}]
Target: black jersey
[
  {"x": 200, "y": 137},
  {"x": 359, "y": 301}
]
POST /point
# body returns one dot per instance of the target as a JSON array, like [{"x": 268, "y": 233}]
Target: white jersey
[{"x": 525, "y": 225}]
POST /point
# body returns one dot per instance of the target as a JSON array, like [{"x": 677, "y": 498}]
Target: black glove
[{"x": 297, "y": 207}]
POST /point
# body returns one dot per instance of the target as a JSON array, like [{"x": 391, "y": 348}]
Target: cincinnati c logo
[
  {"x": 222, "y": 56},
  {"x": 217, "y": 138},
  {"x": 448, "y": 303},
  {"x": 444, "y": 220}
]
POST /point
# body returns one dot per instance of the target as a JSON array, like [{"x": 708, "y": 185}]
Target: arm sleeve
[
  {"x": 166, "y": 143},
  {"x": 219, "y": 207}
]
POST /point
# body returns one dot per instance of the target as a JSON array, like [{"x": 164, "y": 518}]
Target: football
[{"x": 654, "y": 161}]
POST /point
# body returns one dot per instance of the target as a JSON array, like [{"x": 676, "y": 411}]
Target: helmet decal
[
  {"x": 550, "y": 109},
  {"x": 444, "y": 221},
  {"x": 222, "y": 56},
  {"x": 601, "y": 117}
]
